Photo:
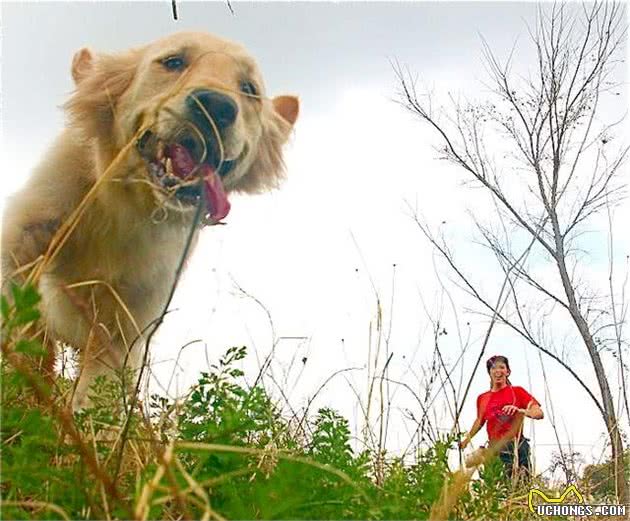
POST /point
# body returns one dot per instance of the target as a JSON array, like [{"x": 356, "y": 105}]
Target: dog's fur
[{"x": 112, "y": 276}]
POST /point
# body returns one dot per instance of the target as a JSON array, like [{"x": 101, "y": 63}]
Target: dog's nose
[{"x": 221, "y": 108}]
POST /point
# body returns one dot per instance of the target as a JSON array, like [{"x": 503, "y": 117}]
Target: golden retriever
[{"x": 156, "y": 139}]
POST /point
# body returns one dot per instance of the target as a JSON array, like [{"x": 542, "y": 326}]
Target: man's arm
[{"x": 532, "y": 410}]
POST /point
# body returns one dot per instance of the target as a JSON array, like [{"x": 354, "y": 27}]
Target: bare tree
[{"x": 540, "y": 150}]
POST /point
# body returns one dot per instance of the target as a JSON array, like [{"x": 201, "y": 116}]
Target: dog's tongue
[
  {"x": 218, "y": 204},
  {"x": 216, "y": 198},
  {"x": 182, "y": 163}
]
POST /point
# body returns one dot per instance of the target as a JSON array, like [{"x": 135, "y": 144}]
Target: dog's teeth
[
  {"x": 160, "y": 151},
  {"x": 168, "y": 165}
]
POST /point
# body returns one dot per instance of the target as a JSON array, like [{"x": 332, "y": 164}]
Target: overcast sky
[{"x": 316, "y": 251}]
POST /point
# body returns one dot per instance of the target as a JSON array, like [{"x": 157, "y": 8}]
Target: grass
[{"x": 225, "y": 451}]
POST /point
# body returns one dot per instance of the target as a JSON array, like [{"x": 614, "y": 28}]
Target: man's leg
[
  {"x": 507, "y": 458},
  {"x": 524, "y": 460}
]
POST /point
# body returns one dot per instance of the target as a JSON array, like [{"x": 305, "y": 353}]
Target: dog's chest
[
  {"x": 139, "y": 262},
  {"x": 118, "y": 280}
]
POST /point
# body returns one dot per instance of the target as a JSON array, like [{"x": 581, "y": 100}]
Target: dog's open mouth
[{"x": 185, "y": 170}]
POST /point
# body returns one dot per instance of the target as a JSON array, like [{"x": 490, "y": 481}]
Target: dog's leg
[
  {"x": 110, "y": 361},
  {"x": 92, "y": 365}
]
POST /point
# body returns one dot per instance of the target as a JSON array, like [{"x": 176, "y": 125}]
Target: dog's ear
[
  {"x": 100, "y": 81},
  {"x": 82, "y": 64},
  {"x": 288, "y": 107},
  {"x": 267, "y": 170}
]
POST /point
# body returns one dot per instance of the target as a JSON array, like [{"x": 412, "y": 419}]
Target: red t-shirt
[{"x": 491, "y": 403}]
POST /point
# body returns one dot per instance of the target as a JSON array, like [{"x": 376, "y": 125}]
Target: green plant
[{"x": 225, "y": 449}]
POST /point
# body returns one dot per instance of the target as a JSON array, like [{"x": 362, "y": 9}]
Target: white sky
[{"x": 310, "y": 251}]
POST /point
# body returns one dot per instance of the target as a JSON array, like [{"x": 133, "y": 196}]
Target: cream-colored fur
[{"x": 107, "y": 283}]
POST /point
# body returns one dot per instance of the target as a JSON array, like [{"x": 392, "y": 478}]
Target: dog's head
[{"x": 195, "y": 107}]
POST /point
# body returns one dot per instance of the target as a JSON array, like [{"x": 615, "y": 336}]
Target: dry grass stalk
[{"x": 35, "y": 505}]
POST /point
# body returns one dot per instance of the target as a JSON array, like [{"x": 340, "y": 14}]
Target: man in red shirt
[{"x": 503, "y": 409}]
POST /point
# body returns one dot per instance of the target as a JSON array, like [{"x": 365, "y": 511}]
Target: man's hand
[
  {"x": 512, "y": 409},
  {"x": 464, "y": 443}
]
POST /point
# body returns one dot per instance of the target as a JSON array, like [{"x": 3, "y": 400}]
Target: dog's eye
[
  {"x": 174, "y": 63},
  {"x": 247, "y": 87}
]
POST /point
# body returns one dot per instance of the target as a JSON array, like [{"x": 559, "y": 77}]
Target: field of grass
[{"x": 224, "y": 451}]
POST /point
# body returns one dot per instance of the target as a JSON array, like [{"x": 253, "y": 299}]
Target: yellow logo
[{"x": 553, "y": 500}]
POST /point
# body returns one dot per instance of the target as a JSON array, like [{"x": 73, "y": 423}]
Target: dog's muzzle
[
  {"x": 189, "y": 165},
  {"x": 208, "y": 106}
]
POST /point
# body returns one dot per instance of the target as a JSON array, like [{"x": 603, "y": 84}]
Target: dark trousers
[{"x": 507, "y": 458}]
